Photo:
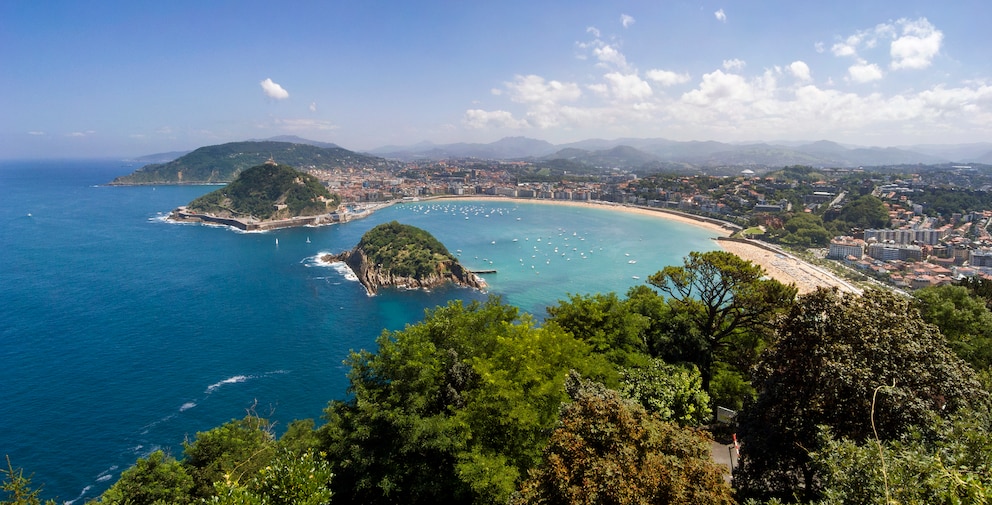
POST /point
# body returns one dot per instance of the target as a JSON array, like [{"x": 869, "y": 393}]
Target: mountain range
[
  {"x": 222, "y": 162},
  {"x": 635, "y": 153}
]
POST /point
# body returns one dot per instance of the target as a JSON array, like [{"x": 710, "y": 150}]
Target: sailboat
[{"x": 277, "y": 241}]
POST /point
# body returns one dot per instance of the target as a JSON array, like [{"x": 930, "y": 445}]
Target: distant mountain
[
  {"x": 222, "y": 163},
  {"x": 293, "y": 139},
  {"x": 503, "y": 149},
  {"x": 158, "y": 157},
  {"x": 654, "y": 154}
]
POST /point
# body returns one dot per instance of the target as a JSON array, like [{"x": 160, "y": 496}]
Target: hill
[
  {"x": 222, "y": 163},
  {"x": 267, "y": 192},
  {"x": 394, "y": 254}
]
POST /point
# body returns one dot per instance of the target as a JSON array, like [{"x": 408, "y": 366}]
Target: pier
[{"x": 490, "y": 271}]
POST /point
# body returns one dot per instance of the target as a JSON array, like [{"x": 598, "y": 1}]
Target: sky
[{"x": 107, "y": 78}]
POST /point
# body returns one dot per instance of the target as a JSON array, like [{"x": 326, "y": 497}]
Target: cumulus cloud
[
  {"x": 273, "y": 90},
  {"x": 862, "y": 71},
  {"x": 627, "y": 87},
  {"x": 478, "y": 118},
  {"x": 593, "y": 30},
  {"x": 916, "y": 47},
  {"x": 313, "y": 106},
  {"x": 667, "y": 77},
  {"x": 800, "y": 70},
  {"x": 734, "y": 65},
  {"x": 535, "y": 89},
  {"x": 610, "y": 55},
  {"x": 625, "y": 20},
  {"x": 720, "y": 16}
]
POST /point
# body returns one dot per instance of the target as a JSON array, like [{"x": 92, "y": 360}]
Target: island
[
  {"x": 400, "y": 255},
  {"x": 264, "y": 197}
]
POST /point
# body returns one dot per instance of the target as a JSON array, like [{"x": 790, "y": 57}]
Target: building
[{"x": 842, "y": 247}]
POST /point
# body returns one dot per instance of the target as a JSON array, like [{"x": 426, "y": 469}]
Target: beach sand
[{"x": 779, "y": 265}]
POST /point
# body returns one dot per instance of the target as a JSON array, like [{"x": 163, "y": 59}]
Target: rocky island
[
  {"x": 264, "y": 197},
  {"x": 399, "y": 255}
]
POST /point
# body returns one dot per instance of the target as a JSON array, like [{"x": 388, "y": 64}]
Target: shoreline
[{"x": 777, "y": 263}]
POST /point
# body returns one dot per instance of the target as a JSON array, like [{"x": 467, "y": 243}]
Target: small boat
[
  {"x": 632, "y": 261},
  {"x": 308, "y": 240},
  {"x": 634, "y": 277},
  {"x": 277, "y": 241}
]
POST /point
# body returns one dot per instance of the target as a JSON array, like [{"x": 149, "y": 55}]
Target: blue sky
[{"x": 125, "y": 78}]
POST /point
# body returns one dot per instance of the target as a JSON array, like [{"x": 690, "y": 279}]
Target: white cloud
[
  {"x": 862, "y": 71},
  {"x": 274, "y": 90},
  {"x": 76, "y": 134},
  {"x": 916, "y": 48},
  {"x": 667, "y": 77},
  {"x": 848, "y": 47},
  {"x": 628, "y": 87},
  {"x": 609, "y": 54},
  {"x": 625, "y": 20},
  {"x": 800, "y": 70},
  {"x": 478, "y": 118},
  {"x": 313, "y": 106},
  {"x": 719, "y": 87},
  {"x": 534, "y": 89},
  {"x": 496, "y": 91},
  {"x": 720, "y": 16},
  {"x": 734, "y": 65},
  {"x": 36, "y": 133},
  {"x": 819, "y": 47},
  {"x": 593, "y": 30}
]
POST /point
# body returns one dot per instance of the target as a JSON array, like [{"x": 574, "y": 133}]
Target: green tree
[
  {"x": 718, "y": 299},
  {"x": 949, "y": 464},
  {"x": 610, "y": 325},
  {"x": 17, "y": 488},
  {"x": 157, "y": 479},
  {"x": 831, "y": 354},
  {"x": 963, "y": 318},
  {"x": 228, "y": 453},
  {"x": 866, "y": 211},
  {"x": 607, "y": 450},
  {"x": 289, "y": 479},
  {"x": 672, "y": 392},
  {"x": 454, "y": 409}
]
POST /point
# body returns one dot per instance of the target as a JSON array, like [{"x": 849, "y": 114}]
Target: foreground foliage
[
  {"x": 608, "y": 450},
  {"x": 859, "y": 365}
]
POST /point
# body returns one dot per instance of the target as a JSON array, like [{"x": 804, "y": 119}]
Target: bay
[{"x": 121, "y": 333}]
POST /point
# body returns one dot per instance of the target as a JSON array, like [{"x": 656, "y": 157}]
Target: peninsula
[
  {"x": 399, "y": 255},
  {"x": 264, "y": 197}
]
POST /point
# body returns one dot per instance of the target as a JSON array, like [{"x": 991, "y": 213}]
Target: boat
[
  {"x": 277, "y": 241},
  {"x": 634, "y": 277},
  {"x": 308, "y": 240}
]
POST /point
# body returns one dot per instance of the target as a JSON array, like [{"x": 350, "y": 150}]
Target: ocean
[{"x": 122, "y": 333}]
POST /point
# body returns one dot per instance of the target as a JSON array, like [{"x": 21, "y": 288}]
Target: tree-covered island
[
  {"x": 394, "y": 254},
  {"x": 266, "y": 196}
]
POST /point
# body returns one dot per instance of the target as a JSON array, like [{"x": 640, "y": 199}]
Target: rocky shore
[{"x": 373, "y": 276}]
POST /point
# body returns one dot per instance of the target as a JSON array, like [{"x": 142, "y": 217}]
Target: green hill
[
  {"x": 222, "y": 163},
  {"x": 268, "y": 191}
]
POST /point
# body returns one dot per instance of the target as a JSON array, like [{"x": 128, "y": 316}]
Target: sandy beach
[{"x": 779, "y": 264}]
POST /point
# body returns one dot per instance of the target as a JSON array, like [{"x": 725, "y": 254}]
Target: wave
[
  {"x": 338, "y": 266},
  {"x": 186, "y": 406},
  {"x": 230, "y": 380}
]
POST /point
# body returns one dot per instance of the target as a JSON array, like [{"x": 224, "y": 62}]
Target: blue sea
[{"x": 121, "y": 333}]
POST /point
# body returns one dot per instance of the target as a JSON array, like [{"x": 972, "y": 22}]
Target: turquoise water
[{"x": 121, "y": 333}]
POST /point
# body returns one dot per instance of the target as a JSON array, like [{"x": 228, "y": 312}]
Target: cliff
[{"x": 395, "y": 255}]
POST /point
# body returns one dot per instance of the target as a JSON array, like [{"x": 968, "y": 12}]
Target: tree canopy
[
  {"x": 859, "y": 365},
  {"x": 719, "y": 299}
]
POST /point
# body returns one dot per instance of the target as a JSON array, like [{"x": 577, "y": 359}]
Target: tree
[
  {"x": 947, "y": 465},
  {"x": 964, "y": 319},
  {"x": 607, "y": 323},
  {"x": 17, "y": 488},
  {"x": 607, "y": 450},
  {"x": 672, "y": 392},
  {"x": 152, "y": 480},
  {"x": 454, "y": 409},
  {"x": 289, "y": 479},
  {"x": 230, "y": 453},
  {"x": 720, "y": 299},
  {"x": 859, "y": 365}
]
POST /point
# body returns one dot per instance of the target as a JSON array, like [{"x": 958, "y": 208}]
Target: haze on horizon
[{"x": 116, "y": 78}]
